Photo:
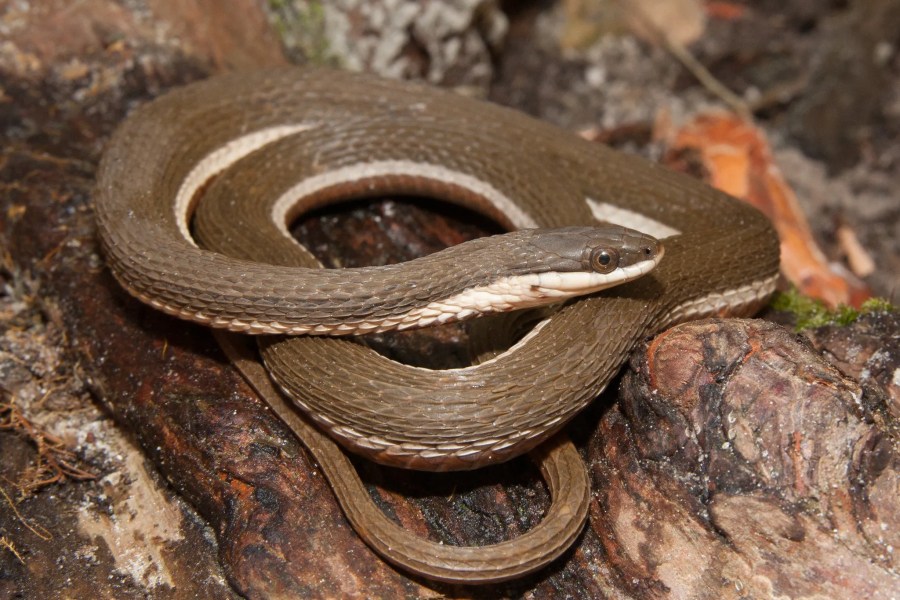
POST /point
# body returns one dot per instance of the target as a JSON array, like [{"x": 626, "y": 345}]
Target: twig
[
  {"x": 7, "y": 543},
  {"x": 707, "y": 79},
  {"x": 690, "y": 62},
  {"x": 55, "y": 462},
  {"x": 43, "y": 533}
]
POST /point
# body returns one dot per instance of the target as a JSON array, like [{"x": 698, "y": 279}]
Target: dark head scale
[{"x": 600, "y": 249}]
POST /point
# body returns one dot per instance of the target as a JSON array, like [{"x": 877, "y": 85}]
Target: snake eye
[{"x": 604, "y": 260}]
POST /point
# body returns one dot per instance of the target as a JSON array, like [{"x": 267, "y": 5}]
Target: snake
[{"x": 196, "y": 192}]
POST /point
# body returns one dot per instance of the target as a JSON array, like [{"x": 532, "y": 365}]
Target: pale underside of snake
[{"x": 263, "y": 148}]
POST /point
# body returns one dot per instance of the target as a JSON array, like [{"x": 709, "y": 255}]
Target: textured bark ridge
[{"x": 739, "y": 464}]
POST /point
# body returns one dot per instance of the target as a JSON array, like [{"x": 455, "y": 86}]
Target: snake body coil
[{"x": 293, "y": 140}]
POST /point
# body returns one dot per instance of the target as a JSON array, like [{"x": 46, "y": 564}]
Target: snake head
[
  {"x": 601, "y": 250},
  {"x": 582, "y": 260}
]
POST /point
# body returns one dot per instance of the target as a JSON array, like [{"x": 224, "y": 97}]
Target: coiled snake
[{"x": 295, "y": 139}]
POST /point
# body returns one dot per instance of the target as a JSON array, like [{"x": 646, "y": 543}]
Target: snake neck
[{"x": 516, "y": 270}]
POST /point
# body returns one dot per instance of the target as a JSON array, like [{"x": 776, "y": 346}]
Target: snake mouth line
[{"x": 526, "y": 291}]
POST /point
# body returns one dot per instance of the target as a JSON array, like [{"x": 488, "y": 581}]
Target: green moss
[
  {"x": 301, "y": 27},
  {"x": 811, "y": 313},
  {"x": 877, "y": 305}
]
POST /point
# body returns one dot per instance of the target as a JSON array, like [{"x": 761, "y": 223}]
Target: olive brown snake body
[{"x": 296, "y": 139}]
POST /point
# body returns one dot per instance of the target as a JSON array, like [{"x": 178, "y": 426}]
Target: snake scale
[{"x": 263, "y": 148}]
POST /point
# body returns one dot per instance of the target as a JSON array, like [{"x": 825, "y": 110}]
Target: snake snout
[{"x": 640, "y": 247}]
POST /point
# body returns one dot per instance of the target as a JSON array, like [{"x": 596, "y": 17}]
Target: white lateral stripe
[
  {"x": 731, "y": 302},
  {"x": 522, "y": 291},
  {"x": 220, "y": 159},
  {"x": 534, "y": 331},
  {"x": 403, "y": 168},
  {"x": 617, "y": 215}
]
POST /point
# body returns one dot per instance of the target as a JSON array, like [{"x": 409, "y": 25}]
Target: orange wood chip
[
  {"x": 738, "y": 159},
  {"x": 726, "y": 11}
]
